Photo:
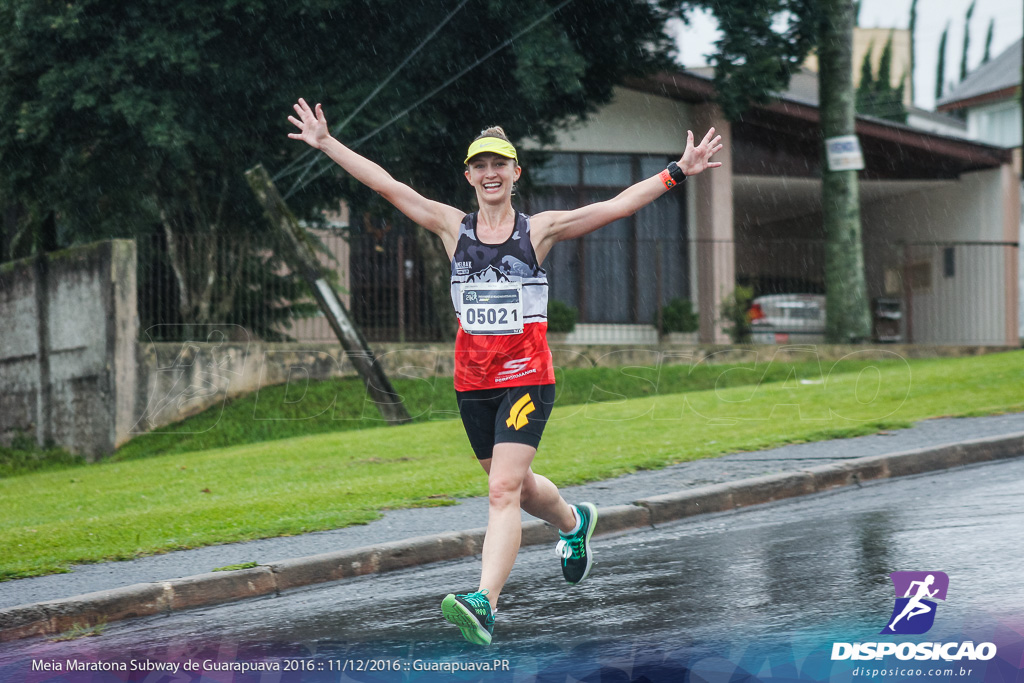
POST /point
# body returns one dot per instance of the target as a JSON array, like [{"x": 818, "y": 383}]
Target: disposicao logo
[
  {"x": 916, "y": 593},
  {"x": 914, "y": 614}
]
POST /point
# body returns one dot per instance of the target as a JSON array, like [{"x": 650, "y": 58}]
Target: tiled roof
[{"x": 999, "y": 73}]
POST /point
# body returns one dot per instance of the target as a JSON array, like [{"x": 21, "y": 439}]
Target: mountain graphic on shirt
[{"x": 492, "y": 274}]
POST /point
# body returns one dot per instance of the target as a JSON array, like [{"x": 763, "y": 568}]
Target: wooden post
[
  {"x": 659, "y": 303},
  {"x": 908, "y": 296},
  {"x": 303, "y": 259}
]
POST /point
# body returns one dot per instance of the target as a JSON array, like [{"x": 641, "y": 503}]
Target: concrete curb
[{"x": 146, "y": 599}]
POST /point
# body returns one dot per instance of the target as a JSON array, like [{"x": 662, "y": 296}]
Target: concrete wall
[
  {"x": 177, "y": 380},
  {"x": 67, "y": 347},
  {"x": 632, "y": 123}
]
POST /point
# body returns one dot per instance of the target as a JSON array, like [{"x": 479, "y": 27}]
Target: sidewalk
[{"x": 699, "y": 478}]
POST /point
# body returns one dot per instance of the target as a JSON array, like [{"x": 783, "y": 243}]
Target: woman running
[{"x": 504, "y": 377}]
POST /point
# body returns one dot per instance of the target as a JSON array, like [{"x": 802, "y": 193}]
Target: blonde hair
[{"x": 493, "y": 132}]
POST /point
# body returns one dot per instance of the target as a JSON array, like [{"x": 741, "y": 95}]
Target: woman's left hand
[{"x": 696, "y": 159}]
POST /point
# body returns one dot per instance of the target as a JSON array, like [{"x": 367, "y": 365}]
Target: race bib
[{"x": 492, "y": 307}]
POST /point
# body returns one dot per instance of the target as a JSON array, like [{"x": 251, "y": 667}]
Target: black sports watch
[{"x": 677, "y": 173}]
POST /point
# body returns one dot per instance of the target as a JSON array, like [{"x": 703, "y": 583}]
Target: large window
[
  {"x": 619, "y": 273},
  {"x": 998, "y": 124}
]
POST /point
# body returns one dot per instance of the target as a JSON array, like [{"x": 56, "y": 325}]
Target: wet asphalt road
[
  {"x": 794, "y": 575},
  {"x": 472, "y": 513}
]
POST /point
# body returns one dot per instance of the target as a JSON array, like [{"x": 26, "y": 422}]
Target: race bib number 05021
[{"x": 492, "y": 307}]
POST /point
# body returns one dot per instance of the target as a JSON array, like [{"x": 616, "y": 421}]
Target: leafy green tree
[
  {"x": 138, "y": 118},
  {"x": 130, "y": 119},
  {"x": 762, "y": 42}
]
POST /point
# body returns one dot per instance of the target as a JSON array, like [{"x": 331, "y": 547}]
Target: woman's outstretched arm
[
  {"x": 438, "y": 218},
  {"x": 551, "y": 227}
]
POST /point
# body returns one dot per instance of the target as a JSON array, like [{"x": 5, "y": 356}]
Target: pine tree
[
  {"x": 988, "y": 41},
  {"x": 889, "y": 100},
  {"x": 913, "y": 45},
  {"x": 866, "y": 88},
  {"x": 875, "y": 94},
  {"x": 940, "y": 69},
  {"x": 967, "y": 39}
]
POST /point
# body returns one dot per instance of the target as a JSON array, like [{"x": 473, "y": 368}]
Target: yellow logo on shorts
[{"x": 522, "y": 408}]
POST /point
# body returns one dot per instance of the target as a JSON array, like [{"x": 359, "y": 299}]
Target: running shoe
[
  {"x": 574, "y": 549},
  {"x": 472, "y": 614}
]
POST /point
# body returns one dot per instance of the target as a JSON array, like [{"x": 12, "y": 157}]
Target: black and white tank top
[{"x": 511, "y": 261}]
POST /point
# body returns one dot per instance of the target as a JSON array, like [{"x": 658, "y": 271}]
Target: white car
[{"x": 788, "y": 319}]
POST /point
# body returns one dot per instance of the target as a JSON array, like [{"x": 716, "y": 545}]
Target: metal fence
[
  {"x": 622, "y": 287},
  {"x": 248, "y": 291},
  {"x": 926, "y": 292},
  {"x": 200, "y": 282}
]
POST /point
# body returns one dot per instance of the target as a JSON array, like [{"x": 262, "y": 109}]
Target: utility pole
[
  {"x": 302, "y": 259},
  {"x": 847, "y": 315}
]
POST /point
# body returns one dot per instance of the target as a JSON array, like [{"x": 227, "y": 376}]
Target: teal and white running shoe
[
  {"x": 472, "y": 614},
  {"x": 574, "y": 549}
]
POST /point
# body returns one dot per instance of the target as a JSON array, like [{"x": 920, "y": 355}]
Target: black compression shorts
[{"x": 505, "y": 415}]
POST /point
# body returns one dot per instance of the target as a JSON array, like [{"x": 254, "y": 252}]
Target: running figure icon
[
  {"x": 915, "y": 606},
  {"x": 916, "y": 593}
]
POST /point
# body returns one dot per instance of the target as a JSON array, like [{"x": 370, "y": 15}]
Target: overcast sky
[{"x": 696, "y": 41}]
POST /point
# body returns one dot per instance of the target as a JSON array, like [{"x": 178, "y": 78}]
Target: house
[
  {"x": 989, "y": 101},
  {"x": 940, "y": 217}
]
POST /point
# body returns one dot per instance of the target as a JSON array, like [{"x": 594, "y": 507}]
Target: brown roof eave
[
  {"x": 696, "y": 89},
  {"x": 971, "y": 153},
  {"x": 994, "y": 96}
]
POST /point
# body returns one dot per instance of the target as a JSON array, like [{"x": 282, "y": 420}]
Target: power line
[
  {"x": 366, "y": 100},
  {"x": 299, "y": 185}
]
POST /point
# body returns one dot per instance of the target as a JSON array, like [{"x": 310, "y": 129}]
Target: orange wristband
[{"x": 666, "y": 178}]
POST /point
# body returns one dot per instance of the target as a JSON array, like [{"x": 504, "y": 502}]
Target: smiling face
[{"x": 492, "y": 175}]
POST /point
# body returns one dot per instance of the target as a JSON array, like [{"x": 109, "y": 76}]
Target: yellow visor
[{"x": 492, "y": 145}]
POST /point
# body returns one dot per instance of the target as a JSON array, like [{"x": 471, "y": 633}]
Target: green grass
[
  {"x": 77, "y": 632},
  {"x": 281, "y": 412},
  {"x": 120, "y": 510},
  {"x": 236, "y": 567},
  {"x": 24, "y": 456}
]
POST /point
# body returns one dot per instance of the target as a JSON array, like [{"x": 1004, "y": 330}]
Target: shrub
[
  {"x": 561, "y": 317},
  {"x": 678, "y": 316},
  {"x": 736, "y": 314}
]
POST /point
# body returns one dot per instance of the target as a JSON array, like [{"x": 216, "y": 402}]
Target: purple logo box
[
  {"x": 915, "y": 608},
  {"x": 902, "y": 581}
]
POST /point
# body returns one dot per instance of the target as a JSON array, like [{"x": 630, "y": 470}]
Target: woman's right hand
[{"x": 312, "y": 126}]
